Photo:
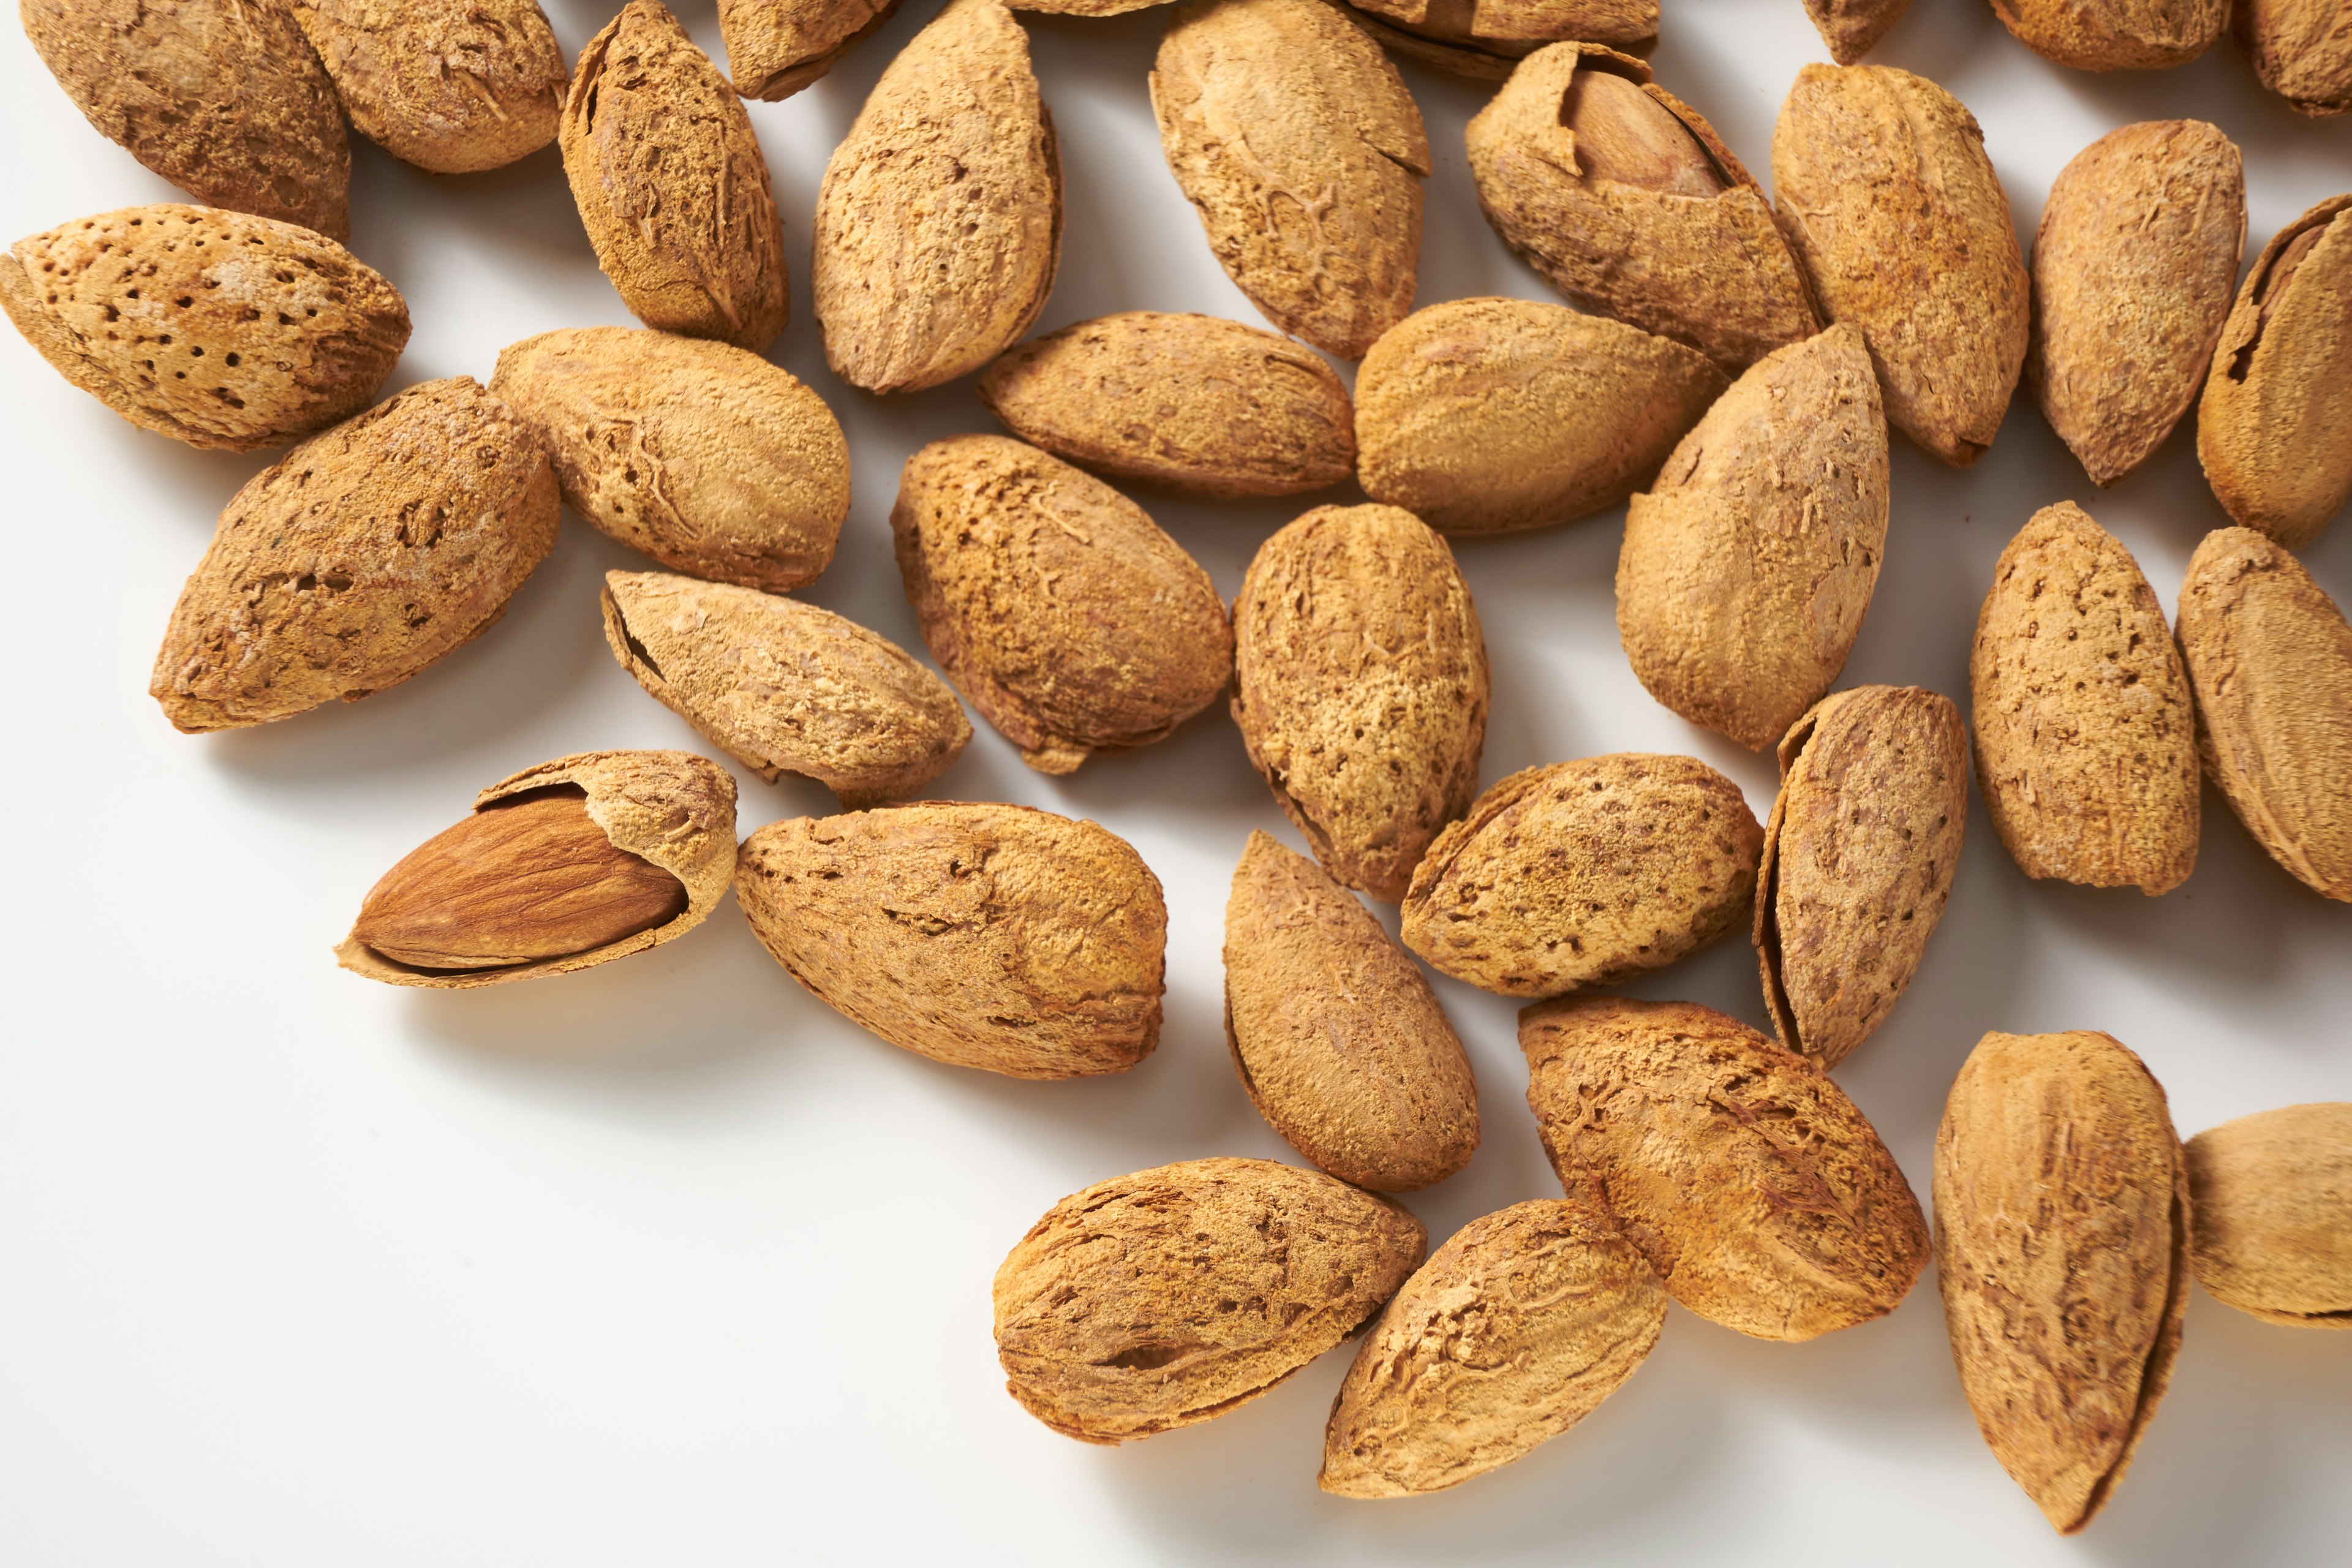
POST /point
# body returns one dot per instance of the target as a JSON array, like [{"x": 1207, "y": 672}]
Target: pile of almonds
[{"x": 1731, "y": 376}]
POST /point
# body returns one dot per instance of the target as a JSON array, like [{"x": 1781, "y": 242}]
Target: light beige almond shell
[
  {"x": 939, "y": 227},
  {"x": 357, "y": 559},
  {"x": 1859, "y": 856},
  {"x": 982, "y": 936},
  {"x": 672, "y": 808},
  {"x": 775, "y": 47},
  {"x": 451, "y": 86},
  {"x": 783, "y": 687},
  {"x": 2134, "y": 266},
  {"x": 2300, "y": 49},
  {"x": 1513, "y": 1331},
  {"x": 2272, "y": 1197},
  {"x": 702, "y": 455},
  {"x": 2274, "y": 428},
  {"x": 210, "y": 327},
  {"x": 1494, "y": 416},
  {"x": 2115, "y": 35},
  {"x": 1583, "y": 873},
  {"x": 1688, "y": 251},
  {"x": 1898, "y": 218},
  {"x": 1482, "y": 40},
  {"x": 1294, "y": 137},
  {"x": 1167, "y": 1297},
  {"x": 1335, "y": 1031},
  {"x": 2269, "y": 659},
  {"x": 1759, "y": 1193},
  {"x": 1054, "y": 604},
  {"x": 1851, "y": 28},
  {"x": 1192, "y": 402},
  {"x": 2061, "y": 1238},
  {"x": 1748, "y": 566},
  {"x": 671, "y": 185},
  {"x": 2086, "y": 737},
  {"x": 223, "y": 98}
]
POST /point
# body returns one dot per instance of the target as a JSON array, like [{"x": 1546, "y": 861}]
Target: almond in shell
[
  {"x": 775, "y": 47},
  {"x": 2272, "y": 1196},
  {"x": 2300, "y": 49},
  {"x": 1482, "y": 40},
  {"x": 1851, "y": 28},
  {"x": 451, "y": 86},
  {"x": 2115, "y": 35}
]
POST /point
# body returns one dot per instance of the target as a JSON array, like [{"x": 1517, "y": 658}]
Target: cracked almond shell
[
  {"x": 2272, "y": 1197},
  {"x": 998, "y": 937},
  {"x": 775, "y": 47},
  {"x": 1484, "y": 39},
  {"x": 2115, "y": 35},
  {"x": 451, "y": 86},
  {"x": 1755, "y": 1189},
  {"x": 2061, "y": 1238},
  {"x": 783, "y": 687},
  {"x": 672, "y": 809},
  {"x": 1156, "y": 1301},
  {"x": 2300, "y": 49}
]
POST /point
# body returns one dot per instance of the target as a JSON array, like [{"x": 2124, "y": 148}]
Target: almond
[
  {"x": 1851, "y": 28},
  {"x": 775, "y": 47},
  {"x": 2115, "y": 35},
  {"x": 451, "y": 86},
  {"x": 2300, "y": 50},
  {"x": 2273, "y": 1194},
  {"x": 1482, "y": 40}
]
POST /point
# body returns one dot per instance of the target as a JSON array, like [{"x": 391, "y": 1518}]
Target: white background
[{"x": 667, "y": 1263}]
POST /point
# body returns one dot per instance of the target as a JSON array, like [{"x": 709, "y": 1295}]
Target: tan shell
[
  {"x": 775, "y": 47},
  {"x": 453, "y": 86},
  {"x": 2061, "y": 1232},
  {"x": 1056, "y": 608},
  {"x": 1747, "y": 567},
  {"x": 2273, "y": 1194},
  {"x": 1897, "y": 218},
  {"x": 981, "y": 936},
  {"x": 1085, "y": 7},
  {"x": 939, "y": 227},
  {"x": 1858, "y": 861},
  {"x": 1190, "y": 402},
  {"x": 1684, "y": 247},
  {"x": 223, "y": 98},
  {"x": 1166, "y": 1298},
  {"x": 2274, "y": 428},
  {"x": 1335, "y": 1031},
  {"x": 2300, "y": 49},
  {"x": 1360, "y": 688},
  {"x": 1583, "y": 873},
  {"x": 357, "y": 559},
  {"x": 2115, "y": 35},
  {"x": 1494, "y": 416},
  {"x": 702, "y": 455},
  {"x": 783, "y": 687},
  {"x": 1851, "y": 28},
  {"x": 2269, "y": 657},
  {"x": 671, "y": 185},
  {"x": 672, "y": 808},
  {"x": 2086, "y": 742},
  {"x": 2134, "y": 266},
  {"x": 205, "y": 326},
  {"x": 1512, "y": 1333},
  {"x": 1295, "y": 141},
  {"x": 1482, "y": 40},
  {"x": 1758, "y": 1191}
]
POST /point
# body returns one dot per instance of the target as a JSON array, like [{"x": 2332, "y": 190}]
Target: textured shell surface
[
  {"x": 2272, "y": 1196},
  {"x": 1482, "y": 40},
  {"x": 2115, "y": 35},
  {"x": 451, "y": 86},
  {"x": 775, "y": 47},
  {"x": 1851, "y": 28},
  {"x": 2300, "y": 49}
]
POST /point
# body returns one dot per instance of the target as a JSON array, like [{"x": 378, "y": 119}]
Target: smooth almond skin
[
  {"x": 1208, "y": 406},
  {"x": 2134, "y": 266},
  {"x": 2275, "y": 427},
  {"x": 666, "y": 822},
  {"x": 1513, "y": 1331},
  {"x": 1055, "y": 605},
  {"x": 1626, "y": 201},
  {"x": 451, "y": 86},
  {"x": 2115, "y": 35},
  {"x": 1482, "y": 40},
  {"x": 1759, "y": 1193},
  {"x": 783, "y": 687},
  {"x": 1851, "y": 28},
  {"x": 2269, "y": 659},
  {"x": 982, "y": 936},
  {"x": 702, "y": 455},
  {"x": 1294, "y": 139},
  {"x": 223, "y": 98},
  {"x": 939, "y": 227},
  {"x": 2086, "y": 742},
  {"x": 214, "y": 329},
  {"x": 1336, "y": 1033},
  {"x": 1166, "y": 1298},
  {"x": 1496, "y": 415},
  {"x": 1894, "y": 211},
  {"x": 1748, "y": 565},
  {"x": 775, "y": 47},
  {"x": 1583, "y": 873},
  {"x": 2272, "y": 1196},
  {"x": 2300, "y": 50},
  {"x": 1859, "y": 856},
  {"x": 1360, "y": 688},
  {"x": 2061, "y": 1236},
  {"x": 357, "y": 559},
  {"x": 671, "y": 185}
]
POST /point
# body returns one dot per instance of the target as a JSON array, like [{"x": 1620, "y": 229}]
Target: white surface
[{"x": 666, "y": 1263}]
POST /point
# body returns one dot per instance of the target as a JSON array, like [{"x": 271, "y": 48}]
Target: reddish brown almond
[
  {"x": 453, "y": 86},
  {"x": 2300, "y": 49},
  {"x": 775, "y": 47}
]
